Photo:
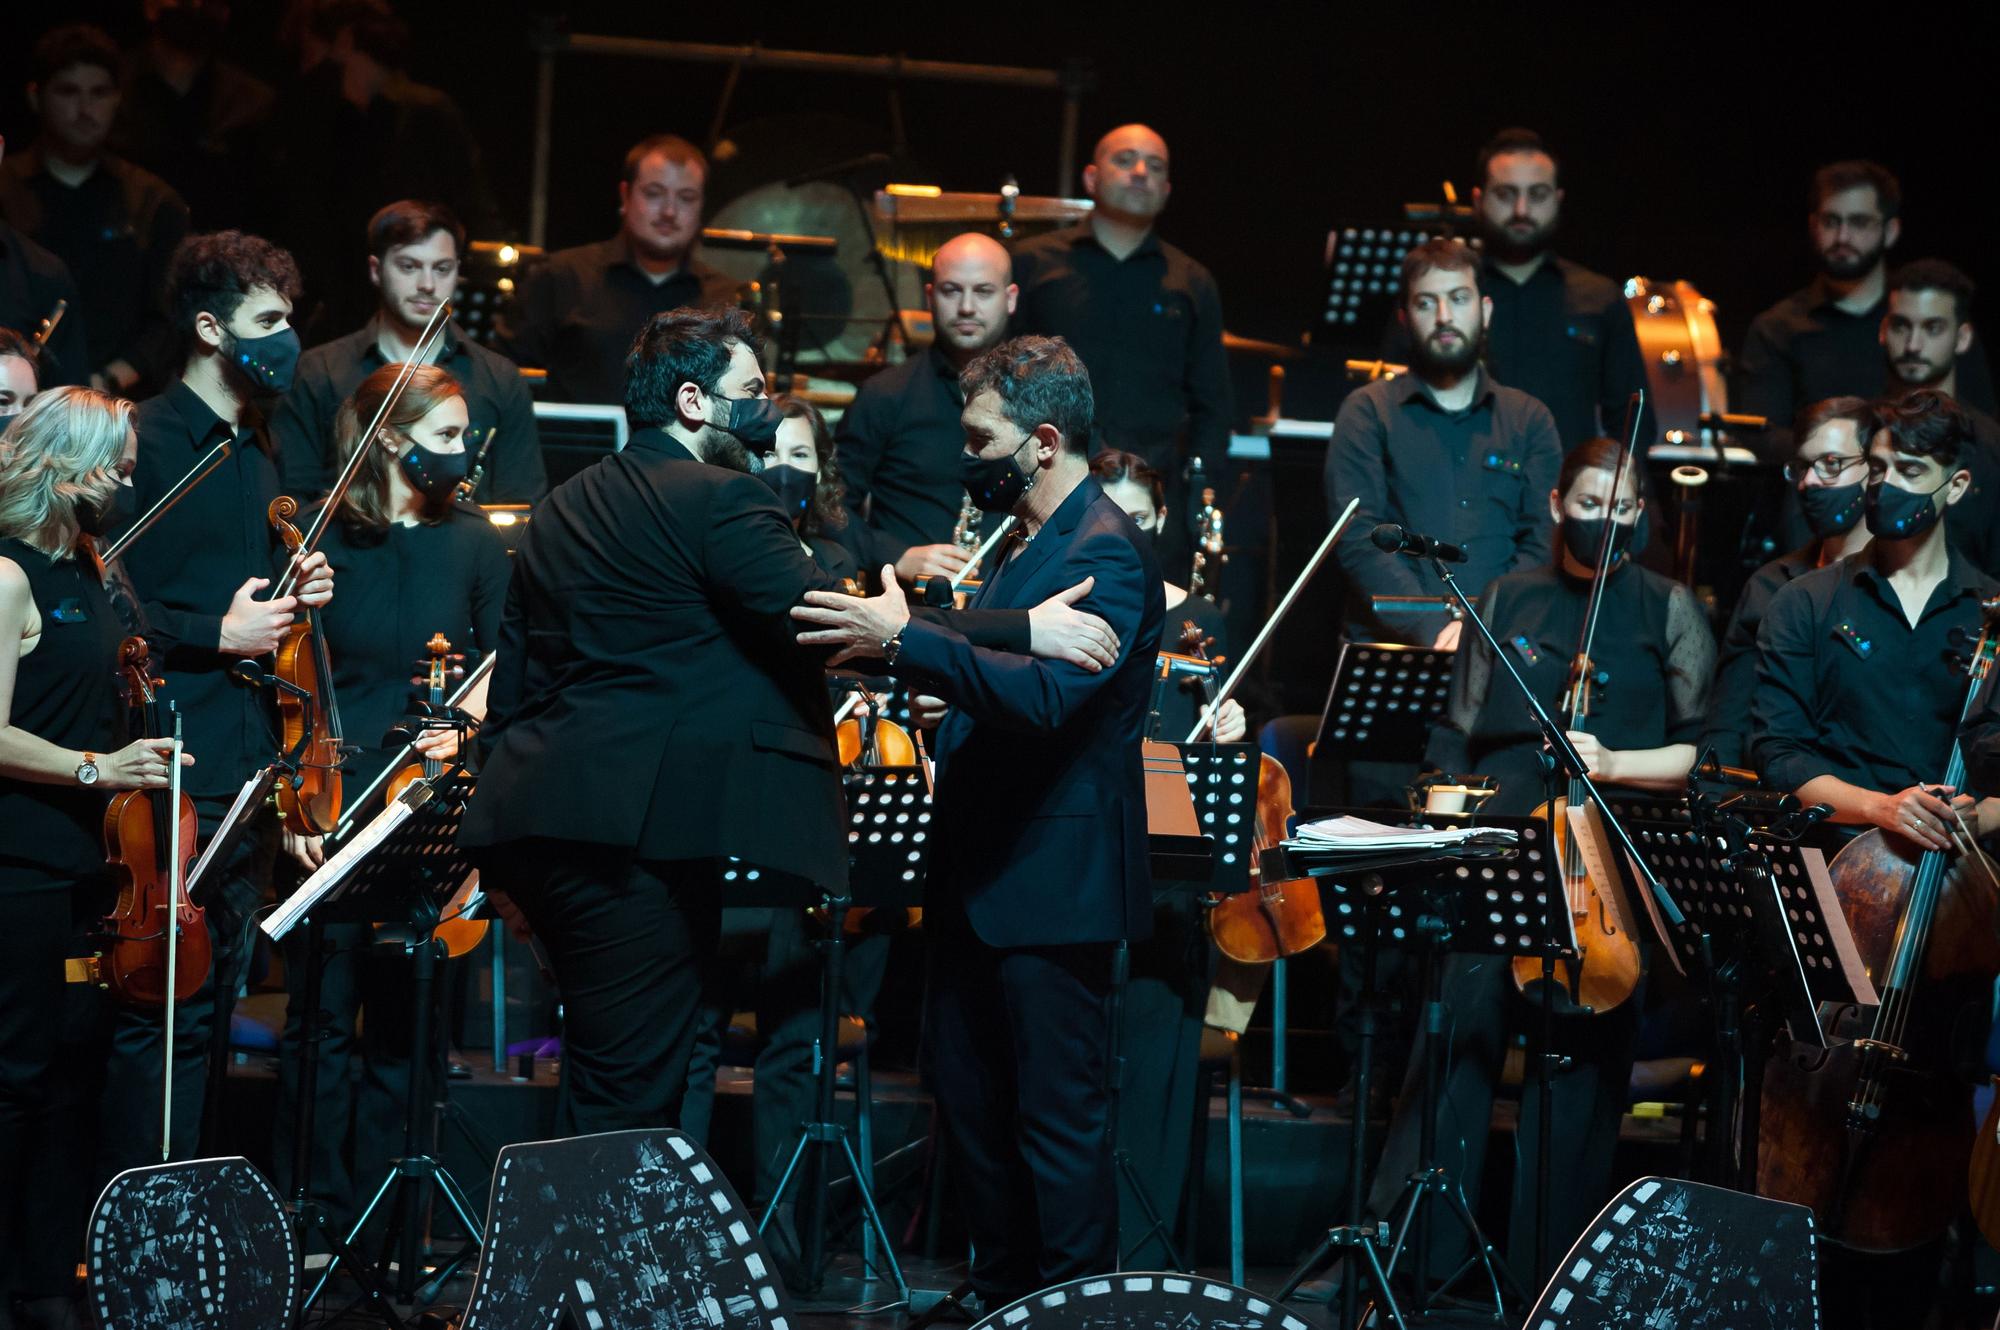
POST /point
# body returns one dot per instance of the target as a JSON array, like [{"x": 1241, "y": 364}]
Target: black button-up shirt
[
  {"x": 1806, "y": 348},
  {"x": 899, "y": 445},
  {"x": 1736, "y": 669},
  {"x": 115, "y": 232},
  {"x": 188, "y": 567},
  {"x": 495, "y": 398},
  {"x": 1479, "y": 478},
  {"x": 32, "y": 280},
  {"x": 1847, "y": 687},
  {"x": 577, "y": 314},
  {"x": 1565, "y": 338},
  {"x": 1148, "y": 327}
]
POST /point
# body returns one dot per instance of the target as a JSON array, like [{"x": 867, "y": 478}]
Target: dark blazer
[
  {"x": 649, "y": 693},
  {"x": 1039, "y": 821}
]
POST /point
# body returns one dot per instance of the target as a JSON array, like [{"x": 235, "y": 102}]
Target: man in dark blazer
[
  {"x": 1038, "y": 846},
  {"x": 649, "y": 707}
]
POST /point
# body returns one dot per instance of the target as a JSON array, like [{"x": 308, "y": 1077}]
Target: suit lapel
[{"x": 1043, "y": 547}]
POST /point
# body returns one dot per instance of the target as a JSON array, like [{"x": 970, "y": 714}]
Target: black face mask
[
  {"x": 794, "y": 486},
  {"x": 754, "y": 420},
  {"x": 269, "y": 361},
  {"x": 995, "y": 483},
  {"x": 1832, "y": 510},
  {"x": 114, "y": 514},
  {"x": 1149, "y": 539},
  {"x": 1900, "y": 514},
  {"x": 1583, "y": 537},
  {"x": 435, "y": 475}
]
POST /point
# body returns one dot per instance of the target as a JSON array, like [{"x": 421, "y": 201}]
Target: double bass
[
  {"x": 1608, "y": 963},
  {"x": 1273, "y": 919},
  {"x": 1875, "y": 1133},
  {"x": 157, "y": 945}
]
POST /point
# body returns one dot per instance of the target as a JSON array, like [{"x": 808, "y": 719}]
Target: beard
[
  {"x": 1914, "y": 372},
  {"x": 725, "y": 450},
  {"x": 1430, "y": 360},
  {"x": 1847, "y": 265},
  {"x": 1509, "y": 245}
]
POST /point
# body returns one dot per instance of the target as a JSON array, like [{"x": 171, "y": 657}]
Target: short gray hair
[{"x": 1040, "y": 381}]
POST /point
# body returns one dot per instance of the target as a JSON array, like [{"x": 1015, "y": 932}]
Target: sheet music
[
  {"x": 1835, "y": 919},
  {"x": 1361, "y": 835},
  {"x": 334, "y": 871},
  {"x": 253, "y": 790}
]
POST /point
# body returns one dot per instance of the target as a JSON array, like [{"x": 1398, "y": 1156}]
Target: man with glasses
[
  {"x": 1822, "y": 341},
  {"x": 1860, "y": 680},
  {"x": 1827, "y": 474}
]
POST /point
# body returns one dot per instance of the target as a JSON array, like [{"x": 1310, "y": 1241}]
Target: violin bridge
[{"x": 1889, "y": 1051}]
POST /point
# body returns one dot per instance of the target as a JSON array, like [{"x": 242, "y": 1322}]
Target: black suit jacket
[
  {"x": 1039, "y": 822},
  {"x": 649, "y": 694}
]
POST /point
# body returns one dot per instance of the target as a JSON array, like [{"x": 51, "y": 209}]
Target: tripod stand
[{"x": 404, "y": 863}]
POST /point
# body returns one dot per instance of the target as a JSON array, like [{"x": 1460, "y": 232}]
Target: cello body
[
  {"x": 1609, "y": 964},
  {"x": 1898, "y": 1180}
]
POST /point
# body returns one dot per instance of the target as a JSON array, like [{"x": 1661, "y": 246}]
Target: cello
[
  {"x": 1272, "y": 920},
  {"x": 1875, "y": 1133},
  {"x": 1608, "y": 964},
  {"x": 158, "y": 953}
]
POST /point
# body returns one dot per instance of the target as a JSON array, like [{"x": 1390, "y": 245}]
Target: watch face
[{"x": 87, "y": 773}]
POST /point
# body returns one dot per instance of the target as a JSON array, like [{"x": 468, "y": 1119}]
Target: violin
[
  {"x": 1608, "y": 962},
  {"x": 862, "y": 738},
  {"x": 1272, "y": 919},
  {"x": 454, "y": 931},
  {"x": 158, "y": 954},
  {"x": 309, "y": 797},
  {"x": 1875, "y": 1132}
]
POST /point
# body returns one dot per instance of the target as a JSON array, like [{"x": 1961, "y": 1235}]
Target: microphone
[
  {"x": 1393, "y": 539},
  {"x": 937, "y": 591}
]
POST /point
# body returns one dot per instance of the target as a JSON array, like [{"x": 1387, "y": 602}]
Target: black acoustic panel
[
  {"x": 1690, "y": 1256},
  {"x": 202, "y": 1245},
  {"x": 627, "y": 1230},
  {"x": 1142, "y": 1301}
]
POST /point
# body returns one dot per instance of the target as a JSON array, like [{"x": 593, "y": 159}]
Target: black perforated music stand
[
  {"x": 1383, "y": 701},
  {"x": 888, "y": 841},
  {"x": 404, "y": 865},
  {"x": 1484, "y": 899},
  {"x": 1767, "y": 931},
  {"x": 1222, "y": 779}
]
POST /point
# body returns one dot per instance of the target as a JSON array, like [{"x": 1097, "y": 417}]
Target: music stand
[
  {"x": 404, "y": 865},
  {"x": 1380, "y": 707},
  {"x": 1473, "y": 898},
  {"x": 1766, "y": 938},
  {"x": 888, "y": 841}
]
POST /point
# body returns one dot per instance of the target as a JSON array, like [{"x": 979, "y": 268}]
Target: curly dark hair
[
  {"x": 1926, "y": 423},
  {"x": 685, "y": 345},
  {"x": 1040, "y": 381},
  {"x": 215, "y": 274}
]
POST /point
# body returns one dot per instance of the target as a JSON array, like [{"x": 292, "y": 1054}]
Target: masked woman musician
[
  {"x": 65, "y": 466},
  {"x": 412, "y": 563},
  {"x": 1648, "y": 673}
]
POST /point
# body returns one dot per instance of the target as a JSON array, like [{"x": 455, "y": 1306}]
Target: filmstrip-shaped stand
[
  {"x": 888, "y": 841},
  {"x": 1480, "y": 898},
  {"x": 404, "y": 865},
  {"x": 1772, "y": 940}
]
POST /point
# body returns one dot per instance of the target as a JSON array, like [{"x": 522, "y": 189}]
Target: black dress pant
[
  {"x": 130, "y": 1112},
  {"x": 767, "y": 963},
  {"x": 1587, "y": 1101},
  {"x": 627, "y": 939},
  {"x": 362, "y": 1076},
  {"x": 1015, "y": 1043},
  {"x": 53, "y": 1038},
  {"x": 1166, "y": 996}
]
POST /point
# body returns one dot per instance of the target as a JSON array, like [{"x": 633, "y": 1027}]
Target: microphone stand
[{"x": 1569, "y": 763}]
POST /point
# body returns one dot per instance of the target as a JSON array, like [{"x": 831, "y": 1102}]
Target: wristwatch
[
  {"x": 86, "y": 770},
  {"x": 891, "y": 646}
]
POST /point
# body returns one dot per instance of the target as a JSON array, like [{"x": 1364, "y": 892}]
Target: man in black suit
[
  {"x": 1038, "y": 861},
  {"x": 650, "y": 706}
]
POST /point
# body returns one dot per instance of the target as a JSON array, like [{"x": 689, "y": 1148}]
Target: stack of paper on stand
[{"x": 1359, "y": 835}]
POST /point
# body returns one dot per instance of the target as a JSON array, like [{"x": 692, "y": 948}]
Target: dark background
[{"x": 1687, "y": 142}]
